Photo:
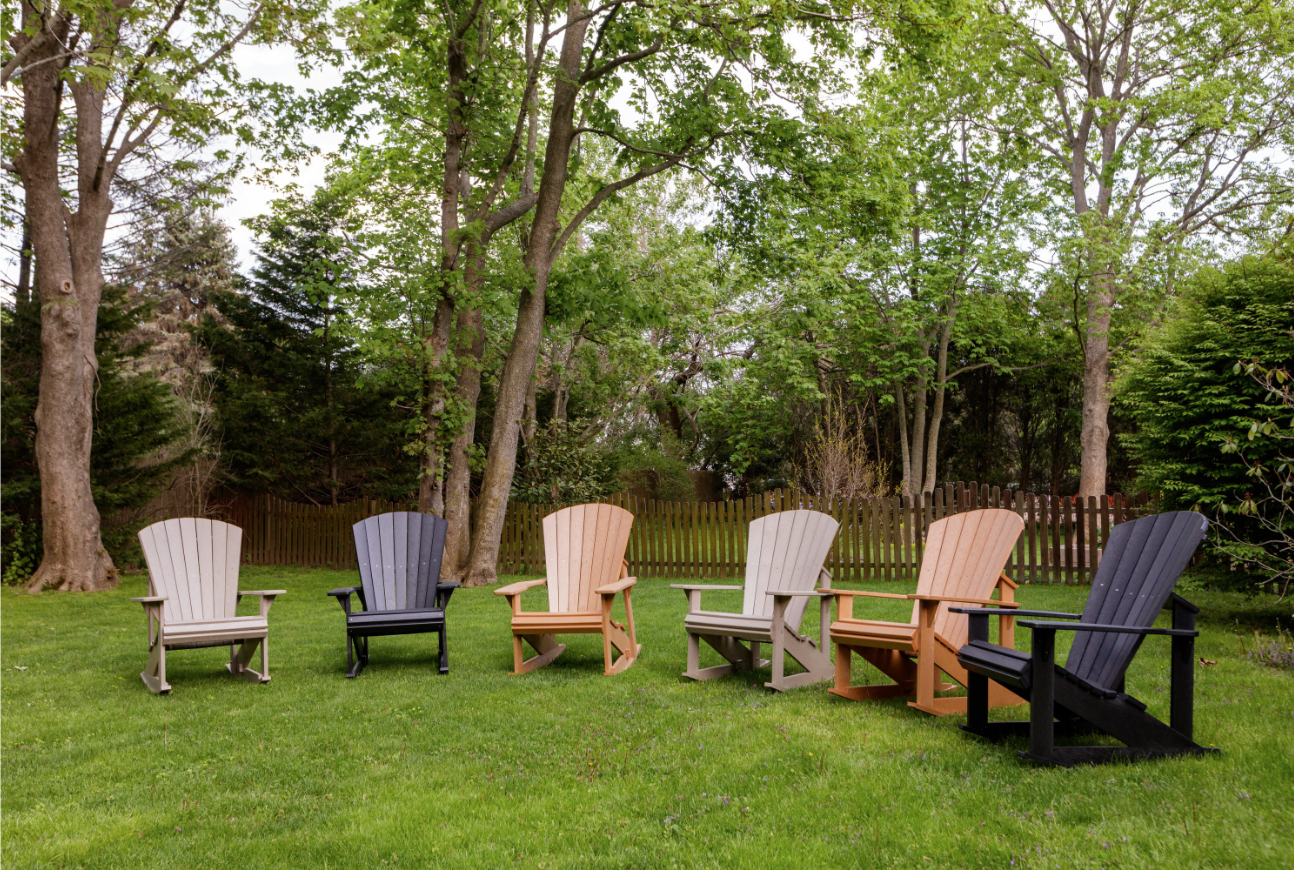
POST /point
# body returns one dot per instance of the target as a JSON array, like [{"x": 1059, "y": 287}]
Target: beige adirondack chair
[
  {"x": 193, "y": 597},
  {"x": 784, "y": 558},
  {"x": 584, "y": 551},
  {"x": 962, "y": 565}
]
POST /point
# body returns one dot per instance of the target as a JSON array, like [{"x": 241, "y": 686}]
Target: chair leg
[
  {"x": 1042, "y": 700},
  {"x": 242, "y": 655},
  {"x": 360, "y": 658},
  {"x": 545, "y": 645},
  {"x": 444, "y": 652},
  {"x": 154, "y": 674},
  {"x": 892, "y": 663}
]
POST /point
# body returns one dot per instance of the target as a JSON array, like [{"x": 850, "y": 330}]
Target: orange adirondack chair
[
  {"x": 963, "y": 562},
  {"x": 584, "y": 549}
]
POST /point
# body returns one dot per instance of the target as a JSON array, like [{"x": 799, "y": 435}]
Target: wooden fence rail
[{"x": 879, "y": 538}]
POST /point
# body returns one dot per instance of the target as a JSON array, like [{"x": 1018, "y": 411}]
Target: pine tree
[{"x": 296, "y": 415}]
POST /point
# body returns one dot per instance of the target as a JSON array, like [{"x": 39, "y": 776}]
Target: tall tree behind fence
[{"x": 879, "y": 538}]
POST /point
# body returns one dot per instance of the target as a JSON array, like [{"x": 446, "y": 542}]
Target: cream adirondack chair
[
  {"x": 962, "y": 564},
  {"x": 193, "y": 597},
  {"x": 584, "y": 551},
  {"x": 784, "y": 558}
]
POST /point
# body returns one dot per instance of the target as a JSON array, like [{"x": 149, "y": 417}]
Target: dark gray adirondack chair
[
  {"x": 400, "y": 590},
  {"x": 1139, "y": 567}
]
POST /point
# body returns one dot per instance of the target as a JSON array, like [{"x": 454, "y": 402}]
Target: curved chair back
[
  {"x": 1139, "y": 568},
  {"x": 399, "y": 559},
  {"x": 785, "y": 550},
  {"x": 194, "y": 563},
  {"x": 584, "y": 548},
  {"x": 964, "y": 556}
]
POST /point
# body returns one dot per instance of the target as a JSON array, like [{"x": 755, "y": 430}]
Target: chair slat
[
  {"x": 400, "y": 565},
  {"x": 231, "y": 563},
  {"x": 1139, "y": 568}
]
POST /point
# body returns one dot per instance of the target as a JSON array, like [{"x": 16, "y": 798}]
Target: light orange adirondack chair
[
  {"x": 584, "y": 549},
  {"x": 963, "y": 562}
]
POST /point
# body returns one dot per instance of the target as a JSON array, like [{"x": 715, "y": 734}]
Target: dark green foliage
[
  {"x": 297, "y": 416},
  {"x": 1188, "y": 398},
  {"x": 561, "y": 469},
  {"x": 656, "y": 468},
  {"x": 136, "y": 420}
]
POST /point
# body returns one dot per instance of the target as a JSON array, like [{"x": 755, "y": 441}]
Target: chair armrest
[
  {"x": 444, "y": 591},
  {"x": 939, "y": 598},
  {"x": 797, "y": 593},
  {"x": 613, "y": 588},
  {"x": 151, "y": 599},
  {"x": 266, "y": 595},
  {"x": 1117, "y": 629},
  {"x": 839, "y": 592},
  {"x": 520, "y": 586},
  {"x": 343, "y": 596},
  {"x": 701, "y": 587},
  {"x": 1009, "y": 612}
]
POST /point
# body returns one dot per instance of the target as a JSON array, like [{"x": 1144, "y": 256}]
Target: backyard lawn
[{"x": 567, "y": 768}]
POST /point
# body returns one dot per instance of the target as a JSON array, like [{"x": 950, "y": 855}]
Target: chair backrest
[
  {"x": 1139, "y": 568},
  {"x": 785, "y": 550},
  {"x": 399, "y": 559},
  {"x": 194, "y": 563},
  {"x": 964, "y": 556},
  {"x": 584, "y": 548}
]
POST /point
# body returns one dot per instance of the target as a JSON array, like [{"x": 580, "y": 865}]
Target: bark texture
[{"x": 68, "y": 248}]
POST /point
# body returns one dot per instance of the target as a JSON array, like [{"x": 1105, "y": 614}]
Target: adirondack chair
[
  {"x": 193, "y": 597},
  {"x": 400, "y": 590},
  {"x": 784, "y": 557},
  {"x": 584, "y": 548},
  {"x": 963, "y": 562},
  {"x": 1134, "y": 582}
]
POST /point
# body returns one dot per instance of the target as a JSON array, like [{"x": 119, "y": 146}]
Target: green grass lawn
[{"x": 567, "y": 768}]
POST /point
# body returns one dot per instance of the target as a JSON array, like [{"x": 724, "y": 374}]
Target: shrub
[{"x": 1191, "y": 402}]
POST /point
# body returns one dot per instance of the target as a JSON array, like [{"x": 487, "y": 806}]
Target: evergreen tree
[{"x": 296, "y": 414}]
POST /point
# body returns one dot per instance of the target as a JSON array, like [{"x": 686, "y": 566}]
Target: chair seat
[
  {"x": 379, "y": 622},
  {"x": 757, "y": 628},
  {"x": 580, "y": 622},
  {"x": 215, "y": 630},
  {"x": 1014, "y": 668},
  {"x": 881, "y": 635}
]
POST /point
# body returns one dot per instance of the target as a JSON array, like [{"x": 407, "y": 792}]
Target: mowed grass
[{"x": 567, "y": 768}]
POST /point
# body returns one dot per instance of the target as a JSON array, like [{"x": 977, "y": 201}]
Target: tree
[
  {"x": 103, "y": 82},
  {"x": 139, "y": 426},
  {"x": 298, "y": 413},
  {"x": 1160, "y": 124},
  {"x": 700, "y": 79}
]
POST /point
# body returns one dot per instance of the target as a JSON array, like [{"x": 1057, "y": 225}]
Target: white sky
[{"x": 249, "y": 199}]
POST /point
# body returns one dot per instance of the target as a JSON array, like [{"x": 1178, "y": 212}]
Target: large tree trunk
[
  {"x": 470, "y": 349},
  {"x": 68, "y": 251},
  {"x": 1096, "y": 392},
  {"x": 524, "y": 350}
]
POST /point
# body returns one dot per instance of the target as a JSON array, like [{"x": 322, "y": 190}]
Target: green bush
[
  {"x": 559, "y": 468},
  {"x": 1190, "y": 401}
]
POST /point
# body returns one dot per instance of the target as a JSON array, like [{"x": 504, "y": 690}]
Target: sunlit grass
[{"x": 567, "y": 768}]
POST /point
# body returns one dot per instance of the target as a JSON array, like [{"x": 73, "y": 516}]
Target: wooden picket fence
[{"x": 879, "y": 539}]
